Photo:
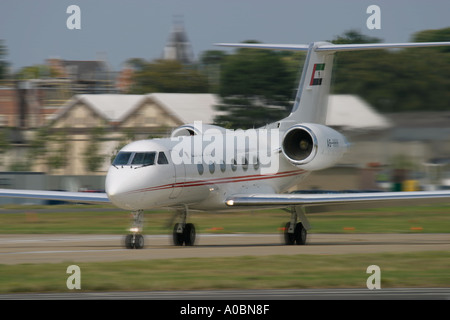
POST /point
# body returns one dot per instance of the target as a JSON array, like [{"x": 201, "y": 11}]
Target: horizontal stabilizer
[
  {"x": 374, "y": 46},
  {"x": 290, "y": 47},
  {"x": 326, "y": 46}
]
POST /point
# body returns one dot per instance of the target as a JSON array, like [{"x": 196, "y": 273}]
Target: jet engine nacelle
[{"x": 313, "y": 146}]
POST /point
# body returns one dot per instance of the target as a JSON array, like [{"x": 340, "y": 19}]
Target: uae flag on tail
[{"x": 317, "y": 74}]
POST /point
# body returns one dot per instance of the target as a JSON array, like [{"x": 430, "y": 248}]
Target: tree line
[{"x": 257, "y": 86}]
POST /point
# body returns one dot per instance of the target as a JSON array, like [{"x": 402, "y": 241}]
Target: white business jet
[{"x": 208, "y": 168}]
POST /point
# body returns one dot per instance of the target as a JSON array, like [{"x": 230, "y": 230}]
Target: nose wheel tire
[{"x": 134, "y": 241}]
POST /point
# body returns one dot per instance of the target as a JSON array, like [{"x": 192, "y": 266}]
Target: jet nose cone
[{"x": 116, "y": 189}]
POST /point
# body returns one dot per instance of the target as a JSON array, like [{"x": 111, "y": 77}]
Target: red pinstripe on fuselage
[{"x": 206, "y": 182}]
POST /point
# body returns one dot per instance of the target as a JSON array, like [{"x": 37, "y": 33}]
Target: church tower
[{"x": 178, "y": 46}]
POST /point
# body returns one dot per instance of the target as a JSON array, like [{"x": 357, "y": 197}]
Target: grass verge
[
  {"x": 424, "y": 269},
  {"x": 106, "y": 220}
]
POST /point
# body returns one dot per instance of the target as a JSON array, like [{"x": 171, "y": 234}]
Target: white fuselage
[{"x": 193, "y": 182}]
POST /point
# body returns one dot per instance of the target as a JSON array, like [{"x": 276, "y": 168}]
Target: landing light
[
  {"x": 230, "y": 202},
  {"x": 134, "y": 229}
]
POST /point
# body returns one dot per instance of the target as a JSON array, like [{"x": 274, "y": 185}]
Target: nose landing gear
[
  {"x": 135, "y": 240},
  {"x": 183, "y": 233}
]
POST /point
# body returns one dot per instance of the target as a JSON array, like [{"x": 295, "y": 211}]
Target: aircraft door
[{"x": 179, "y": 179}]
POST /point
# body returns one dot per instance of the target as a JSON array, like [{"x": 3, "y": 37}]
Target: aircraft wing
[
  {"x": 338, "y": 201},
  {"x": 85, "y": 197}
]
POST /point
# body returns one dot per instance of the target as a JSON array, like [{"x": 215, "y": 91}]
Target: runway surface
[
  {"x": 16, "y": 249},
  {"x": 253, "y": 295}
]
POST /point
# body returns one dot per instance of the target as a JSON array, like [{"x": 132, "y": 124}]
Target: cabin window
[
  {"x": 223, "y": 166},
  {"x": 256, "y": 163},
  {"x": 200, "y": 168},
  {"x": 245, "y": 164},
  {"x": 162, "y": 159},
  {"x": 212, "y": 167},
  {"x": 234, "y": 165}
]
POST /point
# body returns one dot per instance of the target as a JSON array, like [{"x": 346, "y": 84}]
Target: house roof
[
  {"x": 189, "y": 107},
  {"x": 111, "y": 107},
  {"x": 186, "y": 108},
  {"x": 353, "y": 113},
  {"x": 344, "y": 111}
]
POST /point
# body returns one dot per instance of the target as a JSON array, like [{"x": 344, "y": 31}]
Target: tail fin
[{"x": 312, "y": 96}]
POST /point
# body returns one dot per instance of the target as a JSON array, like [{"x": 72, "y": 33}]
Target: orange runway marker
[{"x": 215, "y": 229}]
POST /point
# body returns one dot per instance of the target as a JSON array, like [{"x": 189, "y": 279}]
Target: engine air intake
[{"x": 299, "y": 144}]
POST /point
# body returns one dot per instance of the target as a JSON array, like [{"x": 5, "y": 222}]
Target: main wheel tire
[
  {"x": 129, "y": 243},
  {"x": 138, "y": 241},
  {"x": 178, "y": 238},
  {"x": 289, "y": 238},
  {"x": 189, "y": 234},
  {"x": 300, "y": 234}
]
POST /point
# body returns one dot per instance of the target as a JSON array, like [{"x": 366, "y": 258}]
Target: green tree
[
  {"x": 354, "y": 36},
  {"x": 168, "y": 76},
  {"x": 437, "y": 35},
  {"x": 36, "y": 72},
  {"x": 136, "y": 63},
  {"x": 38, "y": 147},
  {"x": 210, "y": 64},
  {"x": 4, "y": 143},
  {"x": 415, "y": 79},
  {"x": 257, "y": 87},
  {"x": 3, "y": 62},
  {"x": 57, "y": 157},
  {"x": 93, "y": 160}
]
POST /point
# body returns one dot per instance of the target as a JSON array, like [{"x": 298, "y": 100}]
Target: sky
[{"x": 117, "y": 30}]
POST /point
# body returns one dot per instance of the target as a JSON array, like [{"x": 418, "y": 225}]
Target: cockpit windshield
[
  {"x": 135, "y": 159},
  {"x": 144, "y": 158},
  {"x": 122, "y": 159}
]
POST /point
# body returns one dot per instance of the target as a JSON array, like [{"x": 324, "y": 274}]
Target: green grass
[
  {"x": 427, "y": 269},
  {"x": 91, "y": 219}
]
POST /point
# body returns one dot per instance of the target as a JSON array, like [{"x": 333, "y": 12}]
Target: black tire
[
  {"x": 129, "y": 243},
  {"x": 289, "y": 238},
  {"x": 139, "y": 241},
  {"x": 178, "y": 238},
  {"x": 189, "y": 234},
  {"x": 300, "y": 234}
]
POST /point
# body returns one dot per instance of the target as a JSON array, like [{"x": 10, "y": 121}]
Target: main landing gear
[
  {"x": 135, "y": 240},
  {"x": 296, "y": 232},
  {"x": 183, "y": 233}
]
